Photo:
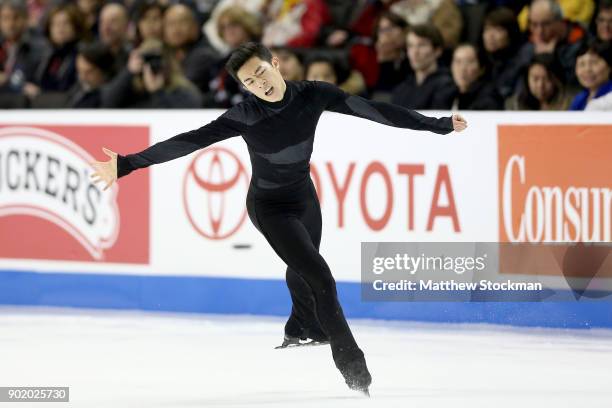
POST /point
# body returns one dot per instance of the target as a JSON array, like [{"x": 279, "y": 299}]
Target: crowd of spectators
[{"x": 421, "y": 54}]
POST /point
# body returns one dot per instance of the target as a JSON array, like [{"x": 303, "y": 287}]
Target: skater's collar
[{"x": 287, "y": 96}]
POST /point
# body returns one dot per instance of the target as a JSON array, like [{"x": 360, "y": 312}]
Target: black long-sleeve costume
[
  {"x": 280, "y": 134},
  {"x": 282, "y": 202}
]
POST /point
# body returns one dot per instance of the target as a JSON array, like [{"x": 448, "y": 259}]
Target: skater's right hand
[
  {"x": 459, "y": 123},
  {"x": 106, "y": 171}
]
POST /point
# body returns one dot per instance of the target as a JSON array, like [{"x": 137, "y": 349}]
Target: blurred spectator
[
  {"x": 64, "y": 29},
  {"x": 579, "y": 11},
  {"x": 501, "y": 40},
  {"x": 390, "y": 44},
  {"x": 603, "y": 20},
  {"x": 36, "y": 13},
  {"x": 355, "y": 25},
  {"x": 294, "y": 23},
  {"x": 425, "y": 87},
  {"x": 334, "y": 70},
  {"x": 235, "y": 26},
  {"x": 95, "y": 67},
  {"x": 211, "y": 26},
  {"x": 593, "y": 69},
  {"x": 152, "y": 79},
  {"x": 473, "y": 89},
  {"x": 113, "y": 31},
  {"x": 149, "y": 19},
  {"x": 551, "y": 33},
  {"x": 291, "y": 67},
  {"x": 444, "y": 14},
  {"x": 182, "y": 35},
  {"x": 19, "y": 55},
  {"x": 544, "y": 86},
  {"x": 89, "y": 10},
  {"x": 321, "y": 68},
  {"x": 603, "y": 103},
  {"x": 473, "y": 13}
]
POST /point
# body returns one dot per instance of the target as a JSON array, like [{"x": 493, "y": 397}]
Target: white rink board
[
  {"x": 178, "y": 249},
  {"x": 359, "y": 142}
]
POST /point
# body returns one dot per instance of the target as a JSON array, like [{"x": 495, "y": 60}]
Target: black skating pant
[{"x": 290, "y": 220}]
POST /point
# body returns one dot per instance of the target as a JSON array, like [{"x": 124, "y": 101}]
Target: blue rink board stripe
[{"x": 270, "y": 297}]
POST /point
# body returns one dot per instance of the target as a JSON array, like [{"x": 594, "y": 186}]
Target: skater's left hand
[
  {"x": 105, "y": 171},
  {"x": 459, "y": 123}
]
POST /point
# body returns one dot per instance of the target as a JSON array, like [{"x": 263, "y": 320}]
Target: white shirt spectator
[{"x": 603, "y": 103}]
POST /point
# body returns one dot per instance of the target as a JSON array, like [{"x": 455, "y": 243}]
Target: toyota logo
[{"x": 214, "y": 190}]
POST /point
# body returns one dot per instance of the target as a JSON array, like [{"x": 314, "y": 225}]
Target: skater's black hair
[{"x": 244, "y": 53}]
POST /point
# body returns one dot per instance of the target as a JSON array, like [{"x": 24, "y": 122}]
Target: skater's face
[{"x": 263, "y": 79}]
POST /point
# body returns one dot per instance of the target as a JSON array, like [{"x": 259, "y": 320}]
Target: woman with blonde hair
[{"x": 235, "y": 26}]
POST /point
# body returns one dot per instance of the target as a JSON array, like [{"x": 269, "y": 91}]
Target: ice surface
[{"x": 132, "y": 359}]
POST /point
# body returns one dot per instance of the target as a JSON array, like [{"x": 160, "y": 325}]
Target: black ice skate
[
  {"x": 291, "y": 341},
  {"x": 306, "y": 338},
  {"x": 357, "y": 376}
]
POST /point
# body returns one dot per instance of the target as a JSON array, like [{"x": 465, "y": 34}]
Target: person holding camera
[{"x": 152, "y": 79}]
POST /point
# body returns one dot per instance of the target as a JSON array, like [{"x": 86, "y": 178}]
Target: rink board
[
  {"x": 270, "y": 297},
  {"x": 162, "y": 240}
]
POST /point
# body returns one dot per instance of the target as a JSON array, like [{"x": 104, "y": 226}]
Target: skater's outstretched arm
[
  {"x": 336, "y": 100},
  {"x": 180, "y": 145}
]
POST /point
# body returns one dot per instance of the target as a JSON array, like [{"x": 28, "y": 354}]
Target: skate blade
[
  {"x": 364, "y": 392},
  {"x": 305, "y": 344}
]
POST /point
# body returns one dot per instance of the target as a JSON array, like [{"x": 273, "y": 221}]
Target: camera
[{"x": 154, "y": 60}]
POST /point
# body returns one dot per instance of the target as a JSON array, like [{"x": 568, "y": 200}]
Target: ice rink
[{"x": 132, "y": 359}]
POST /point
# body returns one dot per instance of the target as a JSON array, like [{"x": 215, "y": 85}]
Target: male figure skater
[{"x": 278, "y": 124}]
